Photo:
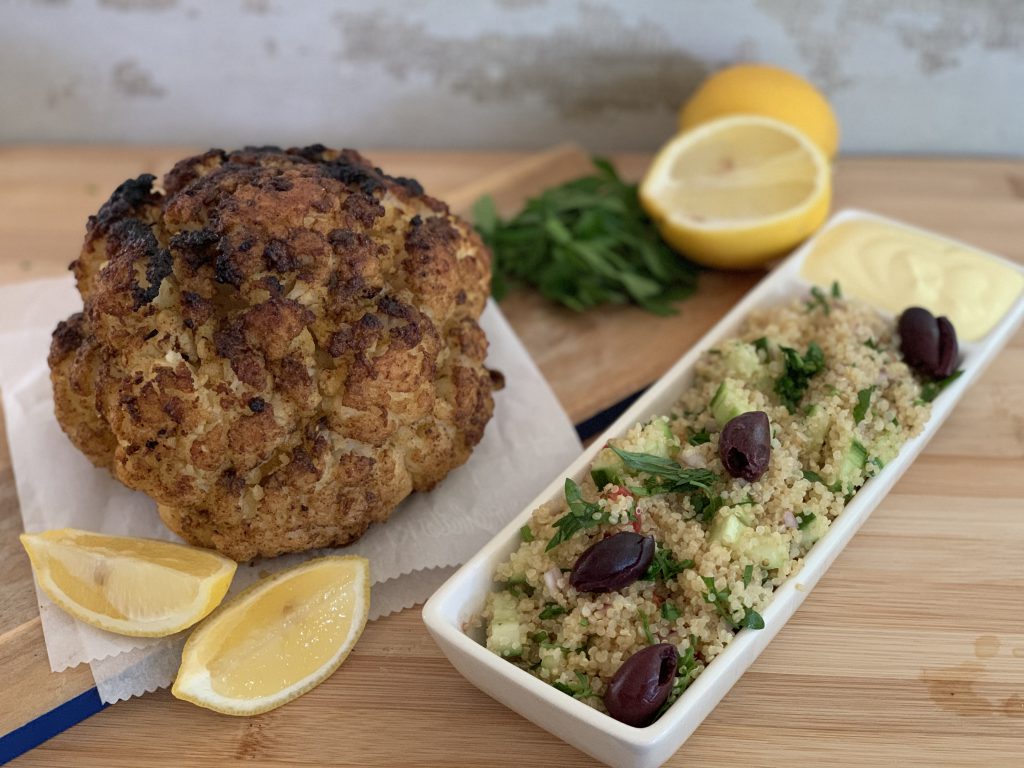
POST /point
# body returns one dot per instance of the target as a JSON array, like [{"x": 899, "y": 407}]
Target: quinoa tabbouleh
[{"x": 708, "y": 540}]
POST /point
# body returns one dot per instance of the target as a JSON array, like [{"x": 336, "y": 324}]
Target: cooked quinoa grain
[{"x": 840, "y": 402}]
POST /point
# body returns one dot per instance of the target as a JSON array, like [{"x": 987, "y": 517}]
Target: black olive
[
  {"x": 928, "y": 343},
  {"x": 641, "y": 685},
  {"x": 613, "y": 563},
  {"x": 745, "y": 445}
]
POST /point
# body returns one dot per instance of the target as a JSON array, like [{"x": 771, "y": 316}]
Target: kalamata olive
[
  {"x": 613, "y": 563},
  {"x": 745, "y": 445},
  {"x": 928, "y": 343},
  {"x": 641, "y": 685}
]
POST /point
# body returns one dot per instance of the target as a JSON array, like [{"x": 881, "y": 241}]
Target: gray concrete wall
[{"x": 904, "y": 75}]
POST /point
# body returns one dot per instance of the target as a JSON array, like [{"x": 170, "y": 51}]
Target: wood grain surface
[{"x": 909, "y": 652}]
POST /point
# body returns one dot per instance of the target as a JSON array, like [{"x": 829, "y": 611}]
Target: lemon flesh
[
  {"x": 760, "y": 89},
  {"x": 278, "y": 639},
  {"x": 135, "y": 587},
  {"x": 738, "y": 191}
]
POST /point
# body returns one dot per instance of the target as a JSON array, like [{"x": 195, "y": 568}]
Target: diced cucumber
[
  {"x": 814, "y": 530},
  {"x": 607, "y": 468},
  {"x": 655, "y": 438},
  {"x": 732, "y": 528},
  {"x": 741, "y": 360},
  {"x": 729, "y": 401},
  {"x": 550, "y": 657},
  {"x": 851, "y": 468},
  {"x": 816, "y": 422},
  {"x": 886, "y": 447},
  {"x": 768, "y": 549},
  {"x": 504, "y": 634},
  {"x": 727, "y": 528}
]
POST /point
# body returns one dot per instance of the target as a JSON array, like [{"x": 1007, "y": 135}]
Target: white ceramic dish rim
[{"x": 447, "y": 610}]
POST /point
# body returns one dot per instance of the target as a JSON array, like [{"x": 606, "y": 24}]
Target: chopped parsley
[
  {"x": 804, "y": 519},
  {"x": 526, "y": 534},
  {"x": 748, "y": 574},
  {"x": 752, "y": 619},
  {"x": 818, "y": 300},
  {"x": 550, "y": 611},
  {"x": 717, "y": 597},
  {"x": 686, "y": 670},
  {"x": 706, "y": 506},
  {"x": 814, "y": 477},
  {"x": 647, "y": 629},
  {"x": 837, "y": 292},
  {"x": 666, "y": 475},
  {"x": 540, "y": 637},
  {"x": 581, "y": 690},
  {"x": 519, "y": 589},
  {"x": 582, "y": 514},
  {"x": 664, "y": 566},
  {"x": 872, "y": 344},
  {"x": 669, "y": 612},
  {"x": 931, "y": 389},
  {"x": 720, "y": 599},
  {"x": 796, "y": 377},
  {"x": 761, "y": 345},
  {"x": 699, "y": 438},
  {"x": 863, "y": 402}
]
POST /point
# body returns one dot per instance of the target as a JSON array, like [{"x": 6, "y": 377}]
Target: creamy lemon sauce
[{"x": 895, "y": 268}]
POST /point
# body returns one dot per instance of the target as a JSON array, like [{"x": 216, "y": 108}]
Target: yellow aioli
[{"x": 894, "y": 268}]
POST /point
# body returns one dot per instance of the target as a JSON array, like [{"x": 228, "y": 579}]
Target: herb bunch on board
[{"x": 585, "y": 243}]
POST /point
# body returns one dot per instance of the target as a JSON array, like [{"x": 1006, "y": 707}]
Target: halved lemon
[
  {"x": 278, "y": 639},
  {"x": 135, "y": 587},
  {"x": 736, "y": 192}
]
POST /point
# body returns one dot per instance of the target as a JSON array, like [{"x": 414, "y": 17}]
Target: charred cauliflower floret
[{"x": 278, "y": 348}]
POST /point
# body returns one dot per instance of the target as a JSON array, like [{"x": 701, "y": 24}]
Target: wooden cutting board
[{"x": 910, "y": 651}]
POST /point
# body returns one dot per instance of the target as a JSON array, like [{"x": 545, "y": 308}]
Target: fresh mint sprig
[{"x": 585, "y": 243}]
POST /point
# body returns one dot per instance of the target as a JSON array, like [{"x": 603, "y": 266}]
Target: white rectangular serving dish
[{"x": 593, "y": 732}]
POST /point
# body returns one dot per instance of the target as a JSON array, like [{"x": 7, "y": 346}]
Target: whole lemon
[{"x": 761, "y": 89}]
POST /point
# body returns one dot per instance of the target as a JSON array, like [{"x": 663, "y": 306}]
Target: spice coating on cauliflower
[{"x": 278, "y": 348}]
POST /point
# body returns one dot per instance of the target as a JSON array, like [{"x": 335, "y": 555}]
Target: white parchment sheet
[{"x": 529, "y": 437}]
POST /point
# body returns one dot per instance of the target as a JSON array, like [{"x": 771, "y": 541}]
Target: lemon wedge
[
  {"x": 278, "y": 639},
  {"x": 736, "y": 192},
  {"x": 136, "y": 587}
]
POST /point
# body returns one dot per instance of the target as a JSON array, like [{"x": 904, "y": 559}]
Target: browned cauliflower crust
[{"x": 278, "y": 348}]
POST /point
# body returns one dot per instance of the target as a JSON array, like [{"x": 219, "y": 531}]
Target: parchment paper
[{"x": 529, "y": 436}]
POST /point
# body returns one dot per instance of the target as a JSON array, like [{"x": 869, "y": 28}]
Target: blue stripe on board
[
  {"x": 44, "y": 727},
  {"x": 599, "y": 422}
]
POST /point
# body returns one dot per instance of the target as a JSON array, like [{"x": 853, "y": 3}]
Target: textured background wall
[{"x": 904, "y": 75}]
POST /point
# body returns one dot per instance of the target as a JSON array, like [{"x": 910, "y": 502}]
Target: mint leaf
[
  {"x": 586, "y": 243},
  {"x": 666, "y": 475},
  {"x": 550, "y": 611},
  {"x": 699, "y": 438},
  {"x": 581, "y": 515},
  {"x": 664, "y": 566},
  {"x": 797, "y": 374},
  {"x": 932, "y": 389},
  {"x": 863, "y": 402}
]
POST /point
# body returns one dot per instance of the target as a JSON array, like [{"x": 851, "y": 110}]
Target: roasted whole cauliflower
[{"x": 279, "y": 347}]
